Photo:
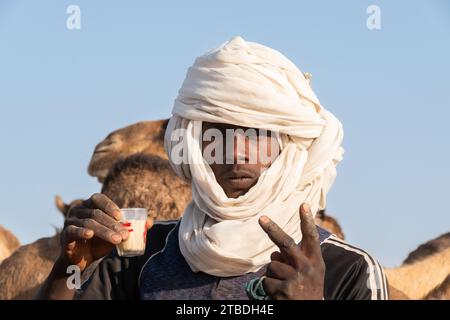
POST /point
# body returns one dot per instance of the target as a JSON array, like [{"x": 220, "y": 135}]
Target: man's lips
[
  {"x": 240, "y": 183},
  {"x": 239, "y": 174},
  {"x": 240, "y": 179}
]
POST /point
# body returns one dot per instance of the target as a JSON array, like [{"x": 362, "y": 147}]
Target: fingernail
[
  {"x": 264, "y": 219},
  {"x": 305, "y": 207},
  {"x": 88, "y": 233},
  {"x": 116, "y": 238},
  {"x": 118, "y": 215}
]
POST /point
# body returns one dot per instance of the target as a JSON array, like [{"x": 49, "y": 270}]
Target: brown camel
[
  {"x": 418, "y": 279},
  {"x": 8, "y": 243},
  {"x": 132, "y": 182},
  {"x": 142, "y": 137},
  {"x": 27, "y": 268},
  {"x": 430, "y": 247},
  {"x": 410, "y": 267}
]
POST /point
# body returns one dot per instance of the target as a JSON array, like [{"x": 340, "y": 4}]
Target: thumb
[{"x": 149, "y": 223}]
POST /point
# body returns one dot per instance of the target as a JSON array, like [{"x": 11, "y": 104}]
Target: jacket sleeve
[
  {"x": 351, "y": 273},
  {"x": 365, "y": 280},
  {"x": 113, "y": 278}
]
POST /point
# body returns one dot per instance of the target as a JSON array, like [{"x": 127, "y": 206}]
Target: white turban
[{"x": 250, "y": 85}]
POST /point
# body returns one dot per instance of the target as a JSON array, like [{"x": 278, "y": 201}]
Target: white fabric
[{"x": 251, "y": 85}]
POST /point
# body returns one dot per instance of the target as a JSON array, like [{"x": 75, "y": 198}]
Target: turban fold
[{"x": 250, "y": 85}]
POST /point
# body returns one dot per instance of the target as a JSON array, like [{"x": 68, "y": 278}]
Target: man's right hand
[{"x": 91, "y": 231}]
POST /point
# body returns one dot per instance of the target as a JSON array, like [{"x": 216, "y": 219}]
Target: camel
[
  {"x": 430, "y": 247},
  {"x": 23, "y": 272},
  {"x": 411, "y": 267},
  {"x": 132, "y": 182},
  {"x": 142, "y": 137},
  {"x": 8, "y": 243},
  {"x": 418, "y": 279}
]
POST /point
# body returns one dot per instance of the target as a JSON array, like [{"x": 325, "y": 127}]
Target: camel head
[
  {"x": 143, "y": 137},
  {"x": 327, "y": 222},
  {"x": 147, "y": 181}
]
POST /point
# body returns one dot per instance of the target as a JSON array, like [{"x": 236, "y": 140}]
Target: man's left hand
[{"x": 296, "y": 272}]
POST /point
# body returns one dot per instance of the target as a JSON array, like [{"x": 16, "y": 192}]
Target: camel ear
[
  {"x": 62, "y": 207},
  {"x": 162, "y": 130},
  {"x": 165, "y": 124},
  {"x": 321, "y": 214}
]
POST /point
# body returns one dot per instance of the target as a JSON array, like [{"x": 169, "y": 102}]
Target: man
[{"x": 249, "y": 231}]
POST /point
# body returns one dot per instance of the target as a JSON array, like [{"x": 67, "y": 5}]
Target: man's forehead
[{"x": 223, "y": 126}]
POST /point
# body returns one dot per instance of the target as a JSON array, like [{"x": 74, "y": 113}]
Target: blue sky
[{"x": 63, "y": 91}]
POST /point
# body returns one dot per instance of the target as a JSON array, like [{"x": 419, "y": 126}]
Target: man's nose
[{"x": 238, "y": 152}]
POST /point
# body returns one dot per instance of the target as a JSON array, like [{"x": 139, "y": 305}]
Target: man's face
[{"x": 245, "y": 156}]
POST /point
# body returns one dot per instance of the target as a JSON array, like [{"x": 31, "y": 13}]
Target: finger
[
  {"x": 276, "y": 234},
  {"x": 310, "y": 244},
  {"x": 73, "y": 233},
  {"x": 100, "y": 231},
  {"x": 287, "y": 245},
  {"x": 149, "y": 223},
  {"x": 102, "y": 202},
  {"x": 280, "y": 271},
  {"x": 104, "y": 219},
  {"x": 273, "y": 287},
  {"x": 277, "y": 256},
  {"x": 73, "y": 211}
]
